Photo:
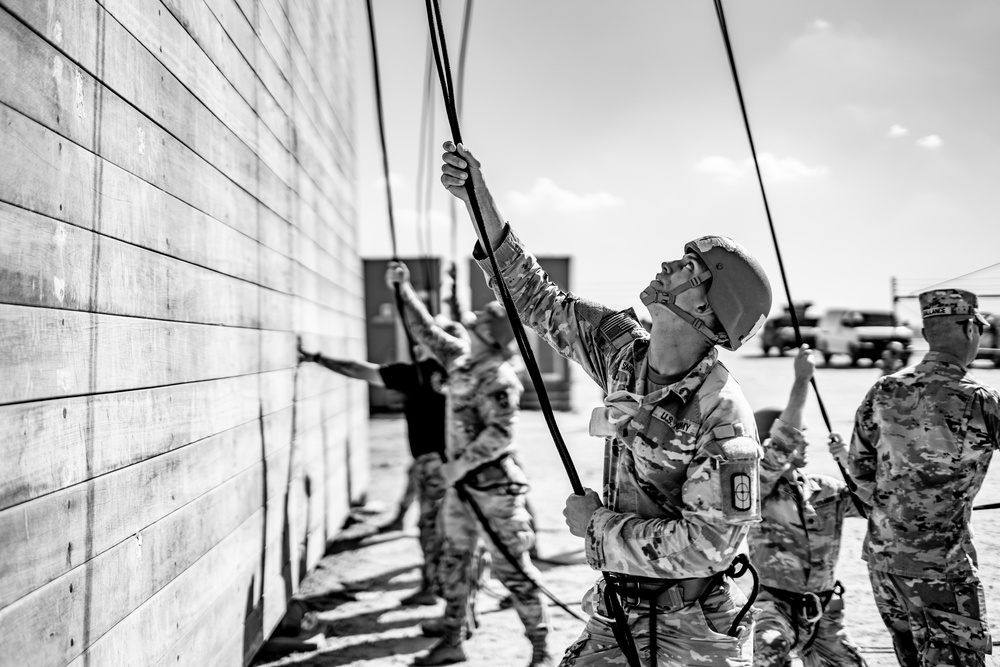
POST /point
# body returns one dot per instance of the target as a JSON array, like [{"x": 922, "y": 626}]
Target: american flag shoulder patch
[{"x": 619, "y": 328}]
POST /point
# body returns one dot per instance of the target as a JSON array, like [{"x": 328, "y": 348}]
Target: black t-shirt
[{"x": 424, "y": 405}]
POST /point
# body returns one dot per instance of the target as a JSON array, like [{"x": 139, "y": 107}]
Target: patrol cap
[
  {"x": 494, "y": 317},
  {"x": 941, "y": 302}
]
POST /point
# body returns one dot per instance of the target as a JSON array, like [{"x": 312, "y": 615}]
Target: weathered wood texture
[{"x": 176, "y": 209}]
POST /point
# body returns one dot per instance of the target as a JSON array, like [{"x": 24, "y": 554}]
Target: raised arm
[
  {"x": 583, "y": 331},
  {"x": 805, "y": 364},
  {"x": 422, "y": 325},
  {"x": 785, "y": 436},
  {"x": 457, "y": 166}
]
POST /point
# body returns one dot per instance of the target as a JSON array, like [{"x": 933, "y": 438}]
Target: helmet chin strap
[{"x": 668, "y": 298}]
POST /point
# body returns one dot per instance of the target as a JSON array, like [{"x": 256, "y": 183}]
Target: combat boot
[
  {"x": 540, "y": 653},
  {"x": 435, "y": 628},
  {"x": 445, "y": 652}
]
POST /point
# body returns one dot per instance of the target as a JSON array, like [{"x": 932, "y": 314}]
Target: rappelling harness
[{"x": 808, "y": 608}]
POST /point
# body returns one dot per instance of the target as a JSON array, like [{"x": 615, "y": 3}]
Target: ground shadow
[
  {"x": 333, "y": 597},
  {"x": 385, "y": 648}
]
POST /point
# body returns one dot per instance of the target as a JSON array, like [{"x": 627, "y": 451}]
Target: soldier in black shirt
[{"x": 423, "y": 407}]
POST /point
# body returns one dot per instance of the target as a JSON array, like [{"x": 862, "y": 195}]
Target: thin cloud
[
  {"x": 773, "y": 169},
  {"x": 545, "y": 195},
  {"x": 898, "y": 131},
  {"x": 930, "y": 141},
  {"x": 820, "y": 24}
]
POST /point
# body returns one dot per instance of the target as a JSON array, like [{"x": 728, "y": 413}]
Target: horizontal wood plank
[
  {"x": 49, "y": 442},
  {"x": 55, "y": 353},
  {"x": 46, "y": 537},
  {"x": 89, "y": 600},
  {"x": 149, "y": 632}
]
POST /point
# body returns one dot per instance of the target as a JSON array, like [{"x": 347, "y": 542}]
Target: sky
[{"x": 610, "y": 132}]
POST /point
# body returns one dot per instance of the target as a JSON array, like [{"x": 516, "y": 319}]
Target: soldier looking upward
[{"x": 681, "y": 451}]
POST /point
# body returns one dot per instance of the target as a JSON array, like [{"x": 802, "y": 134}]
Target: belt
[
  {"x": 663, "y": 593},
  {"x": 809, "y": 607}
]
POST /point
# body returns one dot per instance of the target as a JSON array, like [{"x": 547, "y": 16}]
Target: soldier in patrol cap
[
  {"x": 923, "y": 439},
  {"x": 483, "y": 396},
  {"x": 681, "y": 451},
  {"x": 796, "y": 545}
]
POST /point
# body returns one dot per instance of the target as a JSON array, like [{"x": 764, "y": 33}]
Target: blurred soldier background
[{"x": 483, "y": 399}]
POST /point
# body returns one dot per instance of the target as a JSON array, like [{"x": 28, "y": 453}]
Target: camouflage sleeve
[
  {"x": 446, "y": 348},
  {"x": 778, "y": 449},
  {"x": 498, "y": 398},
  {"x": 990, "y": 406},
  {"x": 718, "y": 504},
  {"x": 583, "y": 331},
  {"x": 862, "y": 460}
]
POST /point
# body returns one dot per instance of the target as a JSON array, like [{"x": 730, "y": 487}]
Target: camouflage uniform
[
  {"x": 667, "y": 513},
  {"x": 429, "y": 487},
  {"x": 795, "y": 549},
  {"x": 483, "y": 396},
  {"x": 923, "y": 439}
]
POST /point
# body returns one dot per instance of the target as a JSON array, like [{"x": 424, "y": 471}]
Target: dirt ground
[{"x": 352, "y": 598}]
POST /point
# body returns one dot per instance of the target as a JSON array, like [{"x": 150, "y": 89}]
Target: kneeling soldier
[{"x": 796, "y": 545}]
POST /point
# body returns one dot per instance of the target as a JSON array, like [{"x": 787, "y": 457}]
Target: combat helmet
[
  {"x": 740, "y": 294},
  {"x": 494, "y": 316}
]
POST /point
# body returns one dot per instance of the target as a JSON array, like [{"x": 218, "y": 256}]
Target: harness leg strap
[{"x": 620, "y": 629}]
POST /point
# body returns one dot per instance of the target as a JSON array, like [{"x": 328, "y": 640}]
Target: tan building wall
[{"x": 176, "y": 207}]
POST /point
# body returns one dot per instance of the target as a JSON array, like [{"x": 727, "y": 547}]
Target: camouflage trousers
[
  {"x": 429, "y": 487},
  {"x": 458, "y": 574},
  {"x": 692, "y": 634},
  {"x": 934, "y": 621},
  {"x": 821, "y": 644}
]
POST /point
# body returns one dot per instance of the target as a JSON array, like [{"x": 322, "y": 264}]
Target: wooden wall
[{"x": 176, "y": 206}]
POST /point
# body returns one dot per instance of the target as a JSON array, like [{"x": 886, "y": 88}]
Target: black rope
[
  {"x": 447, "y": 89},
  {"x": 452, "y": 204},
  {"x": 425, "y": 182},
  {"x": 620, "y": 626},
  {"x": 388, "y": 189},
  {"x": 502, "y": 548},
  {"x": 774, "y": 237},
  {"x": 987, "y": 506}
]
